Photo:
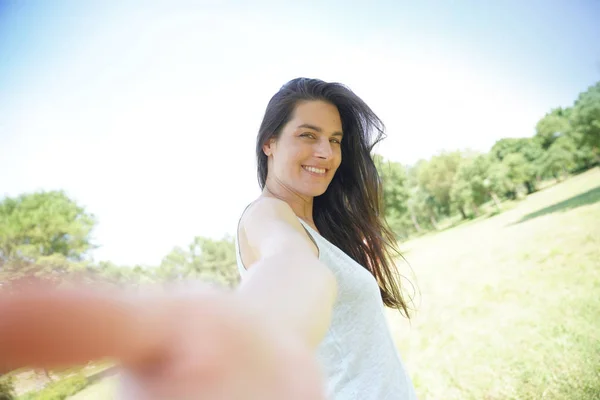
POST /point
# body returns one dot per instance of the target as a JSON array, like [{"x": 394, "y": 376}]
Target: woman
[{"x": 314, "y": 243}]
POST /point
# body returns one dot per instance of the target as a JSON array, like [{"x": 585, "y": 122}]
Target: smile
[{"x": 315, "y": 170}]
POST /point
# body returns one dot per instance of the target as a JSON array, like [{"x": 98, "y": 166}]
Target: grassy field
[
  {"x": 509, "y": 306},
  {"x": 104, "y": 390}
]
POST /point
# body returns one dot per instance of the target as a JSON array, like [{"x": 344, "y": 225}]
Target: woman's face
[{"x": 308, "y": 151}]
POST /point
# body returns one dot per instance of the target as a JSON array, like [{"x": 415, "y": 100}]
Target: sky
[{"x": 147, "y": 115}]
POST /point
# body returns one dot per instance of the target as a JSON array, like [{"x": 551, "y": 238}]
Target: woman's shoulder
[
  {"x": 271, "y": 223},
  {"x": 266, "y": 208}
]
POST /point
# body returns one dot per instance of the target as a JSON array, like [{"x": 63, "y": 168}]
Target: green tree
[
  {"x": 412, "y": 183},
  {"x": 394, "y": 181},
  {"x": 216, "y": 259},
  {"x": 585, "y": 117},
  {"x": 517, "y": 171},
  {"x": 469, "y": 188},
  {"x": 560, "y": 157},
  {"x": 206, "y": 259},
  {"x": 43, "y": 236},
  {"x": 497, "y": 180},
  {"x": 531, "y": 152},
  {"x": 424, "y": 207},
  {"x": 43, "y": 224},
  {"x": 551, "y": 126},
  {"x": 461, "y": 194},
  {"x": 584, "y": 156},
  {"x": 395, "y": 194},
  {"x": 437, "y": 176}
]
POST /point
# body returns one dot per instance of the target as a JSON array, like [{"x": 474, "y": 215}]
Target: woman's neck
[{"x": 301, "y": 205}]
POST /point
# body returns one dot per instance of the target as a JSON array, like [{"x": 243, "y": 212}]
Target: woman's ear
[{"x": 268, "y": 147}]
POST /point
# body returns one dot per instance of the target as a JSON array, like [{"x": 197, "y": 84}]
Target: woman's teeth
[{"x": 315, "y": 170}]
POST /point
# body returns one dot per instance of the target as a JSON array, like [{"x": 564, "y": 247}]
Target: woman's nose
[{"x": 324, "y": 149}]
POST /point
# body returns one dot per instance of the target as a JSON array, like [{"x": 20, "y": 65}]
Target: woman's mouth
[{"x": 315, "y": 170}]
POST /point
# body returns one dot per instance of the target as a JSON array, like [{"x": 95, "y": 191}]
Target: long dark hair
[{"x": 349, "y": 213}]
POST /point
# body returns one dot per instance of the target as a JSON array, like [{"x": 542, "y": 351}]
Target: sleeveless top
[{"x": 357, "y": 356}]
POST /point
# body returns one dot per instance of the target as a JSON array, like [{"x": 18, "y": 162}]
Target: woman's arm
[
  {"x": 287, "y": 284},
  {"x": 45, "y": 328},
  {"x": 195, "y": 343}
]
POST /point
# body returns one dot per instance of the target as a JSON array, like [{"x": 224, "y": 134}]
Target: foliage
[
  {"x": 470, "y": 187},
  {"x": 523, "y": 156},
  {"x": 436, "y": 178},
  {"x": 59, "y": 390},
  {"x": 395, "y": 190},
  {"x": 560, "y": 157},
  {"x": 44, "y": 224},
  {"x": 206, "y": 259},
  {"x": 551, "y": 126},
  {"x": 586, "y": 116},
  {"x": 7, "y": 389},
  {"x": 396, "y": 194}
]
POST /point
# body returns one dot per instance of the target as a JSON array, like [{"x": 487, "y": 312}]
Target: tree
[
  {"x": 497, "y": 180},
  {"x": 395, "y": 191},
  {"x": 412, "y": 184},
  {"x": 43, "y": 224},
  {"x": 460, "y": 194},
  {"x": 586, "y": 117},
  {"x": 469, "y": 188},
  {"x": 584, "y": 156},
  {"x": 216, "y": 259},
  {"x": 560, "y": 157},
  {"x": 436, "y": 178},
  {"x": 551, "y": 126},
  {"x": 424, "y": 207},
  {"x": 531, "y": 152},
  {"x": 43, "y": 236},
  {"x": 206, "y": 259},
  {"x": 517, "y": 171},
  {"x": 395, "y": 194}
]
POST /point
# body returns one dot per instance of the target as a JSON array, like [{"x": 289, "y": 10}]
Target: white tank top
[{"x": 358, "y": 356}]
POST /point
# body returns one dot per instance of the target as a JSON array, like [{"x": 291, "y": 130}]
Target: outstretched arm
[{"x": 45, "y": 328}]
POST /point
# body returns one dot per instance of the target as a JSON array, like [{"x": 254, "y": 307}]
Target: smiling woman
[{"x": 315, "y": 255}]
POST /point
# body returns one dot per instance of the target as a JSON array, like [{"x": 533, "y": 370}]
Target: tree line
[
  {"x": 47, "y": 235},
  {"x": 566, "y": 141}
]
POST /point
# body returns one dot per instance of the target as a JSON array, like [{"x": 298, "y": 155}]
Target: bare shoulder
[
  {"x": 270, "y": 209},
  {"x": 270, "y": 225}
]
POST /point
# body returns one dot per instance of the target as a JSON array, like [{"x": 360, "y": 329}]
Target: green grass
[
  {"x": 102, "y": 390},
  {"x": 509, "y": 306}
]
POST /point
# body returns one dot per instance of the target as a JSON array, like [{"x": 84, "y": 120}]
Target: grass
[
  {"x": 509, "y": 306},
  {"x": 102, "y": 390}
]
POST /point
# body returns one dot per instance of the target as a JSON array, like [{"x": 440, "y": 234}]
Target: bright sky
[{"x": 148, "y": 116}]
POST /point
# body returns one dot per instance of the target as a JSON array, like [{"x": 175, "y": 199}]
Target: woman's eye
[
  {"x": 336, "y": 141},
  {"x": 309, "y": 135}
]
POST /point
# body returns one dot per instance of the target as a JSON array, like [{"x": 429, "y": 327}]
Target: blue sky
[{"x": 148, "y": 115}]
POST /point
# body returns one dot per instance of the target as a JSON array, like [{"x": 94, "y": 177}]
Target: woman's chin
[{"x": 314, "y": 192}]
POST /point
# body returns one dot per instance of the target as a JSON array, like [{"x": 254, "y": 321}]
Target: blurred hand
[{"x": 221, "y": 350}]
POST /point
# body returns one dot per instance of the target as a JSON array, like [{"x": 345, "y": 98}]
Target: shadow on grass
[{"x": 589, "y": 197}]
